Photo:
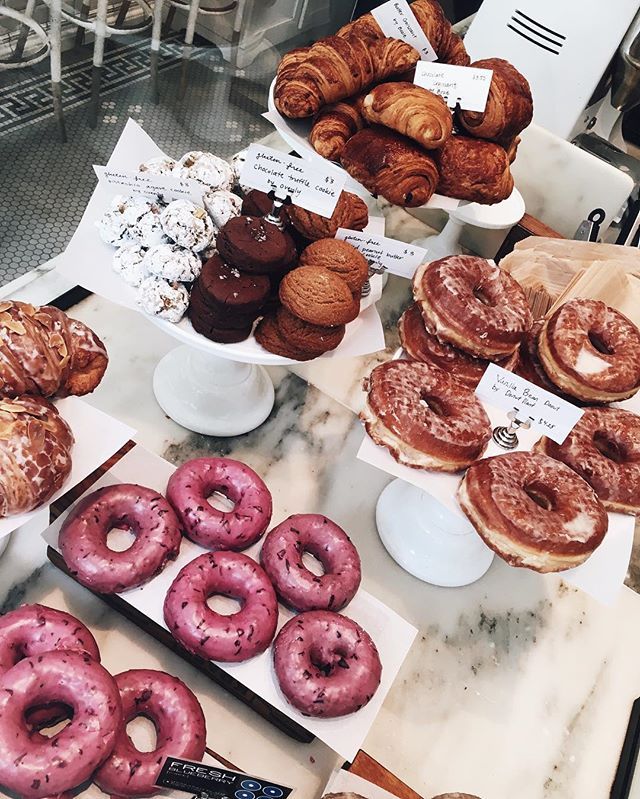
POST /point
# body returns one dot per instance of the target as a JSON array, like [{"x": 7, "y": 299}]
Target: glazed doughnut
[
  {"x": 424, "y": 417},
  {"x": 83, "y": 537},
  {"x": 421, "y": 345},
  {"x": 529, "y": 365},
  {"x": 35, "y": 766},
  {"x": 326, "y": 664},
  {"x": 533, "y": 511},
  {"x": 472, "y": 304},
  {"x": 195, "y": 481},
  {"x": 212, "y": 635},
  {"x": 604, "y": 449},
  {"x": 591, "y": 351},
  {"x": 297, "y": 586},
  {"x": 180, "y": 729}
]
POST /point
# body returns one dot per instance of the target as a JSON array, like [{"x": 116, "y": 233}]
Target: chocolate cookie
[
  {"x": 318, "y": 296},
  {"x": 268, "y": 335},
  {"x": 225, "y": 287},
  {"x": 305, "y": 336},
  {"x": 339, "y": 257},
  {"x": 222, "y": 335},
  {"x": 254, "y": 245},
  {"x": 204, "y": 314},
  {"x": 256, "y": 203}
]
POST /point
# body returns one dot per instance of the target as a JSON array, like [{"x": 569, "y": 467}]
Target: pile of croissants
[
  {"x": 396, "y": 138},
  {"x": 43, "y": 353}
]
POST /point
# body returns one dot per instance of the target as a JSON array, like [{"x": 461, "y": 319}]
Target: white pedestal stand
[
  {"x": 212, "y": 395},
  {"x": 4, "y": 543},
  {"x": 427, "y": 539},
  {"x": 500, "y": 216}
]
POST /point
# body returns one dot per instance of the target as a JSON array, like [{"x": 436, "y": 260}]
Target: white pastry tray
[{"x": 392, "y": 635}]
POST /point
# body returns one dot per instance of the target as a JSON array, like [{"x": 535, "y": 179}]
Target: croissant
[
  {"x": 334, "y": 125},
  {"x": 43, "y": 351},
  {"x": 35, "y": 453},
  {"x": 474, "y": 170},
  {"x": 431, "y": 18},
  {"x": 289, "y": 61},
  {"x": 411, "y": 110},
  {"x": 335, "y": 68},
  {"x": 509, "y": 106},
  {"x": 350, "y": 212}
]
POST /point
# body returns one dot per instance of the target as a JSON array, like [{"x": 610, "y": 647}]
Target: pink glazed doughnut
[
  {"x": 35, "y": 766},
  {"x": 297, "y": 586},
  {"x": 83, "y": 537},
  {"x": 195, "y": 481},
  {"x": 180, "y": 729},
  {"x": 326, "y": 664},
  {"x": 212, "y": 635}
]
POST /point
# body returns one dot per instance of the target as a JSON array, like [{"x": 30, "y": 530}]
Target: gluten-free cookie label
[
  {"x": 311, "y": 186},
  {"x": 549, "y": 414},
  {"x": 396, "y": 256},
  {"x": 397, "y": 20},
  {"x": 467, "y": 87},
  {"x": 167, "y": 186}
]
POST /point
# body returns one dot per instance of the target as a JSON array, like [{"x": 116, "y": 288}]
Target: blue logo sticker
[
  {"x": 251, "y": 785},
  {"x": 272, "y": 791}
]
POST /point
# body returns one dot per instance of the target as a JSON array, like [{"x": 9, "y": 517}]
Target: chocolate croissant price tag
[
  {"x": 311, "y": 186},
  {"x": 464, "y": 86},
  {"x": 167, "y": 186},
  {"x": 397, "y": 20},
  {"x": 215, "y": 782},
  {"x": 396, "y": 256},
  {"x": 552, "y": 416}
]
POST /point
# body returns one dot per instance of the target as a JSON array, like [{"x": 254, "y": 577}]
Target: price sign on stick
[
  {"x": 396, "y": 256},
  {"x": 467, "y": 87},
  {"x": 397, "y": 20},
  {"x": 311, "y": 186}
]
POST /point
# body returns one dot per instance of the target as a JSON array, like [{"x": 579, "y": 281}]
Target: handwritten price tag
[
  {"x": 397, "y": 20},
  {"x": 552, "y": 416},
  {"x": 310, "y": 186},
  {"x": 396, "y": 256},
  {"x": 143, "y": 183},
  {"x": 466, "y": 86}
]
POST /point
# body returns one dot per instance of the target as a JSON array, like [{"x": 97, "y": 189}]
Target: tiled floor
[{"x": 45, "y": 184}]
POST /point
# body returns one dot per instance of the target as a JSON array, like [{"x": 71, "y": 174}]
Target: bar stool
[{"x": 27, "y": 25}]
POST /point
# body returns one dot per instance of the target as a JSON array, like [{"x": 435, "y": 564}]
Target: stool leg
[
  {"x": 80, "y": 31},
  {"x": 24, "y": 31},
  {"x": 55, "y": 36},
  {"x": 122, "y": 13},
  {"x": 98, "y": 59},
  {"x": 156, "y": 37},
  {"x": 194, "y": 7},
  {"x": 169, "y": 21}
]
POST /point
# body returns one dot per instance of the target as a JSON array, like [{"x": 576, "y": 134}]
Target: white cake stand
[{"x": 427, "y": 539}]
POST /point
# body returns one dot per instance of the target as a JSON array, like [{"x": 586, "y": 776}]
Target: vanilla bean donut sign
[{"x": 545, "y": 411}]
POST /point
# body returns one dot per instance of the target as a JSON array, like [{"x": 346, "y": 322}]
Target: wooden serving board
[{"x": 369, "y": 769}]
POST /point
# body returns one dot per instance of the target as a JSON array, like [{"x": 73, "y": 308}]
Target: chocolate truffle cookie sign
[{"x": 312, "y": 186}]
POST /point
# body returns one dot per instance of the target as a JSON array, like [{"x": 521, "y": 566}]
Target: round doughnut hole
[
  {"x": 120, "y": 539},
  {"x": 49, "y": 719},
  {"x": 312, "y": 563},
  {"x": 541, "y": 495},
  {"x": 434, "y": 404},
  {"x": 482, "y": 296},
  {"x": 221, "y": 502},
  {"x": 326, "y": 660},
  {"x": 143, "y": 733},
  {"x": 599, "y": 342},
  {"x": 224, "y": 605},
  {"x": 608, "y": 447}
]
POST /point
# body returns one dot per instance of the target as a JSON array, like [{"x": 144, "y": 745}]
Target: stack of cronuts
[
  {"x": 544, "y": 509},
  {"x": 50, "y": 672},
  {"x": 397, "y": 139},
  {"x": 325, "y": 663}
]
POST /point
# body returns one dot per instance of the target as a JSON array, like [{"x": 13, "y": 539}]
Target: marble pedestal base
[
  {"x": 212, "y": 395},
  {"x": 428, "y": 540}
]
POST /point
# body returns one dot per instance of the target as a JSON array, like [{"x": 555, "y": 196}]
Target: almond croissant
[
  {"x": 335, "y": 68},
  {"x": 386, "y": 163},
  {"x": 509, "y": 106},
  {"x": 411, "y": 110},
  {"x": 474, "y": 170},
  {"x": 43, "y": 351},
  {"x": 334, "y": 125},
  {"x": 35, "y": 453}
]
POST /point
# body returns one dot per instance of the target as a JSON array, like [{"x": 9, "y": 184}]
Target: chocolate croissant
[
  {"x": 334, "y": 125},
  {"x": 35, "y": 453},
  {"x": 391, "y": 165},
  {"x": 44, "y": 352},
  {"x": 335, "y": 68},
  {"x": 474, "y": 170},
  {"x": 431, "y": 18},
  {"x": 509, "y": 106},
  {"x": 350, "y": 212},
  {"x": 411, "y": 110}
]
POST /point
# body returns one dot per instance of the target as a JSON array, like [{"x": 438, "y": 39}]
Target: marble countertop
[{"x": 516, "y": 686}]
